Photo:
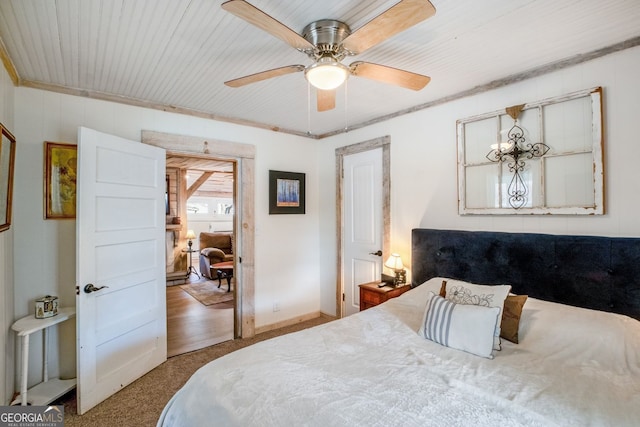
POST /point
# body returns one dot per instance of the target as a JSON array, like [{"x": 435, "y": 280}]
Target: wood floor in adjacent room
[{"x": 192, "y": 325}]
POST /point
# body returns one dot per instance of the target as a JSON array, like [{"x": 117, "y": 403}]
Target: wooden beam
[
  {"x": 514, "y": 78},
  {"x": 220, "y": 194},
  {"x": 8, "y": 64},
  {"x": 94, "y": 94},
  {"x": 194, "y": 187},
  {"x": 182, "y": 145},
  {"x": 505, "y": 81}
]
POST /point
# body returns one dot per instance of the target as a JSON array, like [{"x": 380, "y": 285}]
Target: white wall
[
  {"x": 424, "y": 168},
  {"x": 6, "y": 261},
  {"x": 296, "y": 254},
  {"x": 286, "y": 266}
]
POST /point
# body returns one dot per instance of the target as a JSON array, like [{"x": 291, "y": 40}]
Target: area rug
[{"x": 208, "y": 293}]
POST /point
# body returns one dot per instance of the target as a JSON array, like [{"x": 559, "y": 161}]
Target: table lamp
[
  {"x": 395, "y": 263},
  {"x": 190, "y": 235}
]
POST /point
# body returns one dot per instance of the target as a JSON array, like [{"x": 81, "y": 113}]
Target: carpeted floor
[{"x": 140, "y": 403}]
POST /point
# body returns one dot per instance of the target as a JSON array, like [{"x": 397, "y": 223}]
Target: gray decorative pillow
[{"x": 468, "y": 328}]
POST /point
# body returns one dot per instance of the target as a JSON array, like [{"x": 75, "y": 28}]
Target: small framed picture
[
  {"x": 286, "y": 192},
  {"x": 60, "y": 168}
]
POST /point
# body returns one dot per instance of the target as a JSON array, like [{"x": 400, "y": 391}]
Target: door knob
[
  {"x": 379, "y": 253},
  {"x": 90, "y": 288}
]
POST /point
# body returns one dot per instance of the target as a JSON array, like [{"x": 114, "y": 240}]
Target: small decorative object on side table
[
  {"x": 394, "y": 262},
  {"x": 372, "y": 294},
  {"x": 190, "y": 236}
]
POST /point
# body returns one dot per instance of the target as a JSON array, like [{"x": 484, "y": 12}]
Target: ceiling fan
[{"x": 328, "y": 41}]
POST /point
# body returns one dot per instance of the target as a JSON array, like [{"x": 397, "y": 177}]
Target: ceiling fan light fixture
[{"x": 326, "y": 74}]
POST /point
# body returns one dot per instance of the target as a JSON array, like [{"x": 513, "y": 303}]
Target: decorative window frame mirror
[{"x": 538, "y": 158}]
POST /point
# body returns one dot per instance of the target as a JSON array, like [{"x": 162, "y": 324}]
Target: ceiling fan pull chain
[
  {"x": 346, "y": 98},
  {"x": 308, "y": 108}
]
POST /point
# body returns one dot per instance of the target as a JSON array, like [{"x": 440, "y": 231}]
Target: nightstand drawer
[
  {"x": 371, "y": 294},
  {"x": 371, "y": 298}
]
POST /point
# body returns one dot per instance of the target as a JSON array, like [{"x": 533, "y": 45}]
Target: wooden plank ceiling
[
  {"x": 176, "y": 54},
  {"x": 205, "y": 177}
]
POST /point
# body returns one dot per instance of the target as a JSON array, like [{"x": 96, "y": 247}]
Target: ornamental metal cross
[{"x": 518, "y": 150}]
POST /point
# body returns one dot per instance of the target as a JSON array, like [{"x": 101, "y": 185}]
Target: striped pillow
[{"x": 464, "y": 327}]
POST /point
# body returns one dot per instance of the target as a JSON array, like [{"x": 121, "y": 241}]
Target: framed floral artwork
[{"x": 60, "y": 171}]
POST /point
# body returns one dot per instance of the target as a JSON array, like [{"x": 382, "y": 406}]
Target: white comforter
[{"x": 573, "y": 367}]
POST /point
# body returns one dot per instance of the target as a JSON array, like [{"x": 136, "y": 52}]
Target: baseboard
[
  {"x": 175, "y": 283},
  {"x": 292, "y": 321},
  {"x": 174, "y": 279},
  {"x": 327, "y": 316}
]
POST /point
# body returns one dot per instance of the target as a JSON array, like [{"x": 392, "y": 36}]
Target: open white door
[
  {"x": 121, "y": 328},
  {"x": 363, "y": 225}
]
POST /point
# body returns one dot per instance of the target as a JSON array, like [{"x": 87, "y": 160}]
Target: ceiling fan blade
[
  {"x": 389, "y": 75},
  {"x": 397, "y": 18},
  {"x": 255, "y": 16},
  {"x": 264, "y": 75},
  {"x": 326, "y": 99}
]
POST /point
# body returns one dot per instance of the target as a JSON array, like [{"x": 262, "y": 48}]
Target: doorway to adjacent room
[
  {"x": 200, "y": 218},
  {"x": 244, "y": 157}
]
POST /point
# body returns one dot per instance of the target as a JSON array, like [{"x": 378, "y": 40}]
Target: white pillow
[
  {"x": 483, "y": 295},
  {"x": 463, "y": 327}
]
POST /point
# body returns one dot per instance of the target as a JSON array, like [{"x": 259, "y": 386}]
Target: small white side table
[{"x": 49, "y": 389}]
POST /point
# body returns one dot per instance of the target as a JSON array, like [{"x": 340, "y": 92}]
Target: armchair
[{"x": 214, "y": 248}]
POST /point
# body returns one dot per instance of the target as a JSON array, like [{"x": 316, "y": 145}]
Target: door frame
[
  {"x": 383, "y": 142},
  {"x": 244, "y": 186}
]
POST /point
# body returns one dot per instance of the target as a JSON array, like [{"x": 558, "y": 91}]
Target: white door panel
[
  {"x": 362, "y": 223},
  {"x": 120, "y": 245}
]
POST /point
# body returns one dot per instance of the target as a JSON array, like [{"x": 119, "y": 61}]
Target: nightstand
[{"x": 371, "y": 294}]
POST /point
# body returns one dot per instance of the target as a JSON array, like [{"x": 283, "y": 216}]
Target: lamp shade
[
  {"x": 395, "y": 262},
  {"x": 326, "y": 74},
  {"x": 190, "y": 235}
]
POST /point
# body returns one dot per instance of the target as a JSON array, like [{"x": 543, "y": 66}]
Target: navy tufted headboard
[{"x": 601, "y": 273}]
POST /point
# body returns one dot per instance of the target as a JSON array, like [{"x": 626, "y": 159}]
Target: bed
[{"x": 572, "y": 366}]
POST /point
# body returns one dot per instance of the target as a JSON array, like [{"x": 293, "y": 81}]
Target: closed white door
[
  {"x": 121, "y": 321},
  {"x": 362, "y": 224}
]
